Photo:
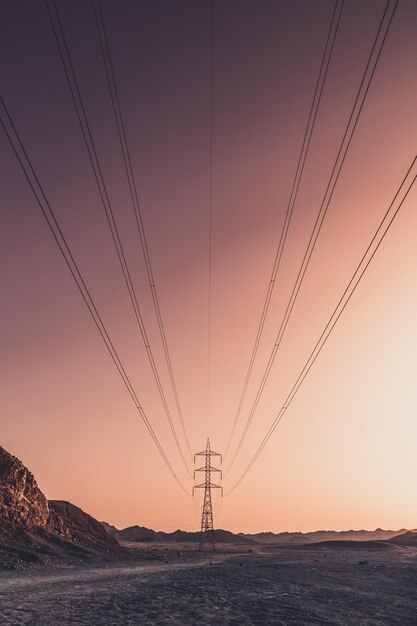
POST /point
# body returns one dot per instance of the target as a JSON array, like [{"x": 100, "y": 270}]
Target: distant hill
[
  {"x": 349, "y": 544},
  {"x": 33, "y": 530},
  {"x": 141, "y": 534},
  {"x": 408, "y": 538},
  {"x": 325, "y": 535}
]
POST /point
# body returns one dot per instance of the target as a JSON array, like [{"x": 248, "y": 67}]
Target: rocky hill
[
  {"x": 21, "y": 501},
  {"x": 33, "y": 530},
  {"x": 71, "y": 522}
]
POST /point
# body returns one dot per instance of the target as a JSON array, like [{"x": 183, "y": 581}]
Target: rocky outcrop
[
  {"x": 75, "y": 525},
  {"x": 36, "y": 531},
  {"x": 21, "y": 501}
]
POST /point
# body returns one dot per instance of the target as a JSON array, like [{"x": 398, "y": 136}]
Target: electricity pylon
[{"x": 207, "y": 529}]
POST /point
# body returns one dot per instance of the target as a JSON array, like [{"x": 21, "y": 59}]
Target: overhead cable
[
  {"x": 49, "y": 215},
  {"x": 111, "y": 80},
  {"x": 378, "y": 237},
  {"x": 95, "y": 164},
  {"x": 211, "y": 87},
  {"x": 334, "y": 177},
  {"x": 325, "y": 62}
]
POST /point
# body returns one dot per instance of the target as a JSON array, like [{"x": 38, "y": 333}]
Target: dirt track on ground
[{"x": 323, "y": 585}]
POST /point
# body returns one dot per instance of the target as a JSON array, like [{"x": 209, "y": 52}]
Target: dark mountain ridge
[
  {"x": 319, "y": 536},
  {"x": 141, "y": 534}
]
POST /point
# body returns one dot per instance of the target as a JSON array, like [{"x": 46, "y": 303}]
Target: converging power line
[
  {"x": 42, "y": 201},
  {"x": 378, "y": 237},
  {"x": 95, "y": 164},
  {"x": 334, "y": 177}
]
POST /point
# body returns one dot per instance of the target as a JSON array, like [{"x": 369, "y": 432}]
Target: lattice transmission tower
[{"x": 207, "y": 528}]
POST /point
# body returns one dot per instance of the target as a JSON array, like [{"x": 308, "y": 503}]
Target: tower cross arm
[
  {"x": 208, "y": 452},
  {"x": 205, "y": 485},
  {"x": 208, "y": 468}
]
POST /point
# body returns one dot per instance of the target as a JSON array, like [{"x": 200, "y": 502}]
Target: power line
[
  {"x": 111, "y": 80},
  {"x": 197, "y": 512},
  {"x": 210, "y": 218},
  {"x": 363, "y": 265},
  {"x": 42, "y": 201},
  {"x": 328, "y": 50},
  {"x": 217, "y": 508},
  {"x": 89, "y": 143},
  {"x": 334, "y": 177}
]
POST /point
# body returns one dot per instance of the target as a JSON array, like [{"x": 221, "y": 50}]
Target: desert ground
[{"x": 331, "y": 583}]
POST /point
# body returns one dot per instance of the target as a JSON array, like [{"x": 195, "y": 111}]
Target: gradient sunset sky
[{"x": 344, "y": 456}]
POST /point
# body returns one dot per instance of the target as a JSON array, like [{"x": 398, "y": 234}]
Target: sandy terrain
[{"x": 323, "y": 584}]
